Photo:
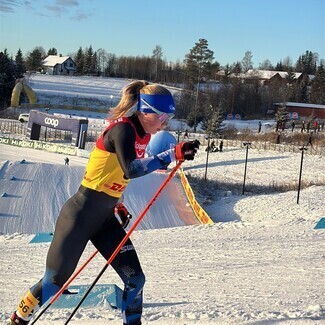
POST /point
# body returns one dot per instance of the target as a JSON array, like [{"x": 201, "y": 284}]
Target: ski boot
[{"x": 16, "y": 320}]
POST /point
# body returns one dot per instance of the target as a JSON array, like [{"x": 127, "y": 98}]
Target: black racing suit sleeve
[{"x": 120, "y": 139}]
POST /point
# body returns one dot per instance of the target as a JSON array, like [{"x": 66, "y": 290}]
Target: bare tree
[
  {"x": 102, "y": 59},
  {"x": 247, "y": 62},
  {"x": 157, "y": 55},
  {"x": 266, "y": 65}
]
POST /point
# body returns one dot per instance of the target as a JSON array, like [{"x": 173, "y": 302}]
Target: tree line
[{"x": 205, "y": 98}]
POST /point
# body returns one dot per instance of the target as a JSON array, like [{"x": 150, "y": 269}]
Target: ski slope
[
  {"x": 261, "y": 263},
  {"x": 35, "y": 185}
]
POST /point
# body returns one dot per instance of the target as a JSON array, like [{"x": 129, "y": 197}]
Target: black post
[
  {"x": 246, "y": 144},
  {"x": 178, "y": 134},
  {"x": 300, "y": 173},
  {"x": 206, "y": 163},
  {"x": 47, "y": 111}
]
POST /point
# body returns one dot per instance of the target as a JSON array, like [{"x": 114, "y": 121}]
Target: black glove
[
  {"x": 186, "y": 150},
  {"x": 122, "y": 214}
]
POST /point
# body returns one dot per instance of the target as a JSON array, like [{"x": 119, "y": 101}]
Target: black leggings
[{"x": 89, "y": 215}]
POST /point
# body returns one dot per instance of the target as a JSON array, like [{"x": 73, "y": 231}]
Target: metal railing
[{"x": 10, "y": 127}]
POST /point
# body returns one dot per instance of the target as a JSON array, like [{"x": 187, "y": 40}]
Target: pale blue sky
[{"x": 273, "y": 29}]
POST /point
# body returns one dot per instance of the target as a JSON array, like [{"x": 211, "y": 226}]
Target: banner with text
[{"x": 51, "y": 147}]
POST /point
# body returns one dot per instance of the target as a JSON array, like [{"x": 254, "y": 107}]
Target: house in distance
[{"x": 58, "y": 65}]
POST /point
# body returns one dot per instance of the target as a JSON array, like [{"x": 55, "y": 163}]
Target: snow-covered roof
[
  {"x": 52, "y": 60},
  {"x": 317, "y": 106},
  {"x": 268, "y": 74},
  {"x": 263, "y": 74}
]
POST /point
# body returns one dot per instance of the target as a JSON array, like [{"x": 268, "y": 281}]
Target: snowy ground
[
  {"x": 97, "y": 92},
  {"x": 78, "y": 91},
  {"x": 262, "y": 262}
]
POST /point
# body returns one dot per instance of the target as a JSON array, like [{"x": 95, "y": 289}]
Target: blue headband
[{"x": 158, "y": 104}]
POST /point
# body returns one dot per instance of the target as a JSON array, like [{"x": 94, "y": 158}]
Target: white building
[{"x": 59, "y": 65}]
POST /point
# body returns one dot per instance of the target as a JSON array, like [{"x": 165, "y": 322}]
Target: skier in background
[
  {"x": 221, "y": 146},
  {"x": 118, "y": 156},
  {"x": 213, "y": 147},
  {"x": 186, "y": 134},
  {"x": 303, "y": 127}
]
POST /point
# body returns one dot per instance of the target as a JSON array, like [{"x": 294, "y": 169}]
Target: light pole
[
  {"x": 303, "y": 149},
  {"x": 246, "y": 144},
  {"x": 207, "y": 159},
  {"x": 196, "y": 103},
  {"x": 111, "y": 96}
]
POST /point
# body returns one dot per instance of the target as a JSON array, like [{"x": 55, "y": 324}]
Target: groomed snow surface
[{"x": 262, "y": 262}]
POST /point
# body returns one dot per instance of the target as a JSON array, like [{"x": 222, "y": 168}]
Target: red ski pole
[
  {"x": 126, "y": 237},
  {"x": 114, "y": 254}
]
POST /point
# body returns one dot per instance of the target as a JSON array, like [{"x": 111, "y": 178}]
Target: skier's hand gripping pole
[
  {"x": 109, "y": 261},
  {"x": 186, "y": 150}
]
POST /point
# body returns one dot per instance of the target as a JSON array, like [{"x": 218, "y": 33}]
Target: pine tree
[
  {"x": 279, "y": 66},
  {"x": 213, "y": 121},
  {"x": 282, "y": 115},
  {"x": 7, "y": 78},
  {"x": 198, "y": 61},
  {"x": 94, "y": 65},
  {"x": 34, "y": 59},
  {"x": 307, "y": 63},
  {"x": 317, "y": 93},
  {"x": 20, "y": 68},
  {"x": 79, "y": 60},
  {"x": 197, "y": 64},
  {"x": 88, "y": 61},
  {"x": 303, "y": 89},
  {"x": 52, "y": 51}
]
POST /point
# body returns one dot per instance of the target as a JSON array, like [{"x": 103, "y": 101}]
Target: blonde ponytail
[
  {"x": 130, "y": 96},
  {"x": 129, "y": 99}
]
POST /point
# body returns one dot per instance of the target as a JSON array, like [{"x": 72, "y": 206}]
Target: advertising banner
[{"x": 50, "y": 147}]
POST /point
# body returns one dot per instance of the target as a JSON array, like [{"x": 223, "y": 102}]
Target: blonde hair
[{"x": 130, "y": 96}]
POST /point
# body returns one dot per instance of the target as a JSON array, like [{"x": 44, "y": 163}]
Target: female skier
[{"x": 118, "y": 156}]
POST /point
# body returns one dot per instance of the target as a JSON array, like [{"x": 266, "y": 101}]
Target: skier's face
[{"x": 152, "y": 122}]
